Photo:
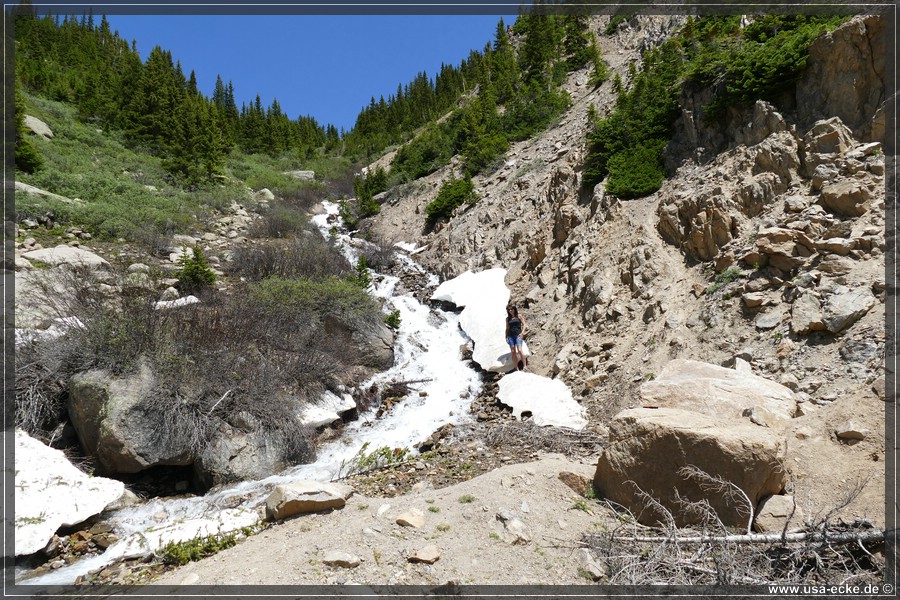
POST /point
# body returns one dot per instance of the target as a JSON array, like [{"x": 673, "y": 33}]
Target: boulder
[
  {"x": 648, "y": 447},
  {"x": 111, "y": 419},
  {"x": 302, "y": 175},
  {"x": 806, "y": 314},
  {"x": 51, "y": 493},
  {"x": 716, "y": 391},
  {"x": 38, "y": 127},
  {"x": 236, "y": 455},
  {"x": 371, "y": 343},
  {"x": 344, "y": 560},
  {"x": 777, "y": 511},
  {"x": 305, "y": 496},
  {"x": 845, "y": 198},
  {"x": 67, "y": 255},
  {"x": 549, "y": 401},
  {"x": 846, "y": 307}
]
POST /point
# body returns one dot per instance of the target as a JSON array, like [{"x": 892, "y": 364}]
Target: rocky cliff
[{"x": 765, "y": 244}]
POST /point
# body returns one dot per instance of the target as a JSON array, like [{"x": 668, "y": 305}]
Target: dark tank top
[{"x": 515, "y": 326}]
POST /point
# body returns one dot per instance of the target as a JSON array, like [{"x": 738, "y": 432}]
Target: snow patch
[{"x": 549, "y": 401}]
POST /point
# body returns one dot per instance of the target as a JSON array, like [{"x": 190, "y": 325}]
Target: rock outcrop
[{"x": 648, "y": 448}]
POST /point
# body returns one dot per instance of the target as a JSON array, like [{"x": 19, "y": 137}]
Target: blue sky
[{"x": 326, "y": 66}]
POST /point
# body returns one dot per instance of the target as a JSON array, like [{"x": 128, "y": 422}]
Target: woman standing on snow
[{"x": 515, "y": 331}]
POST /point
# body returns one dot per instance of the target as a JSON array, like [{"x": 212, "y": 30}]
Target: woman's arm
[{"x": 522, "y": 319}]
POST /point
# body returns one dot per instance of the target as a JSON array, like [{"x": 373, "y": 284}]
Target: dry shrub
[
  {"x": 380, "y": 255},
  {"x": 308, "y": 255},
  {"x": 280, "y": 221}
]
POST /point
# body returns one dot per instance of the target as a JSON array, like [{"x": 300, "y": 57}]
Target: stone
[
  {"x": 327, "y": 409},
  {"x": 67, "y": 255},
  {"x": 345, "y": 560},
  {"x": 806, "y": 314},
  {"x": 850, "y": 431},
  {"x": 38, "y": 127},
  {"x": 516, "y": 532},
  {"x": 840, "y": 246},
  {"x": 769, "y": 319},
  {"x": 234, "y": 455},
  {"x": 754, "y": 299},
  {"x": 648, "y": 447},
  {"x": 715, "y": 391},
  {"x": 549, "y": 401},
  {"x": 776, "y": 512},
  {"x": 843, "y": 309},
  {"x": 427, "y": 554},
  {"x": 51, "y": 493},
  {"x": 138, "y": 268},
  {"x": 113, "y": 424},
  {"x": 264, "y": 195},
  {"x": 578, "y": 484},
  {"x": 845, "y": 198},
  {"x": 414, "y": 519},
  {"x": 305, "y": 496},
  {"x": 832, "y": 264},
  {"x": 302, "y": 175},
  {"x": 169, "y": 294}
]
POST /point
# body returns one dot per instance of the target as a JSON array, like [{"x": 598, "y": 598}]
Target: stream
[{"x": 427, "y": 349}]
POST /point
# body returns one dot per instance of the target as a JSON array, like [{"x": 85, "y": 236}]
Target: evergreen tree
[{"x": 28, "y": 159}]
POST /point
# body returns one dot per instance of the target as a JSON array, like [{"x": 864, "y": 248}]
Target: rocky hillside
[{"x": 764, "y": 246}]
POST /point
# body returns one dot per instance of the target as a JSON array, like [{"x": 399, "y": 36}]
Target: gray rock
[
  {"x": 844, "y": 309},
  {"x": 304, "y": 497},
  {"x": 67, "y": 255},
  {"x": 414, "y": 519},
  {"x": 806, "y": 314},
  {"x": 846, "y": 198},
  {"x": 851, "y": 431},
  {"x": 769, "y": 319},
  {"x": 38, "y": 127},
  {"x": 110, "y": 417},
  {"x": 234, "y": 455},
  {"x": 138, "y": 268},
  {"x": 777, "y": 511},
  {"x": 428, "y": 554},
  {"x": 344, "y": 560}
]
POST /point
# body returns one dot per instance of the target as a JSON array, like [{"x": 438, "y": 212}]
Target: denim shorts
[{"x": 513, "y": 340}]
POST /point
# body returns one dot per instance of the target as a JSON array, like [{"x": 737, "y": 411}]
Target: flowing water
[{"x": 427, "y": 349}]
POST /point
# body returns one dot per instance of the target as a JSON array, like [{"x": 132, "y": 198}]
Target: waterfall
[{"x": 427, "y": 349}]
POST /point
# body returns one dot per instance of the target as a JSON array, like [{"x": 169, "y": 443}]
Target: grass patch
[{"x": 466, "y": 499}]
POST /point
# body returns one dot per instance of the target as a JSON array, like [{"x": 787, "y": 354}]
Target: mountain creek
[{"x": 706, "y": 363}]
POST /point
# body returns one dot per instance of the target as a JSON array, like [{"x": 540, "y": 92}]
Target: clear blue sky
[{"x": 326, "y": 66}]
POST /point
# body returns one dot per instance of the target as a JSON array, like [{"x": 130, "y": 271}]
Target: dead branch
[
  {"x": 713, "y": 483},
  {"x": 764, "y": 538}
]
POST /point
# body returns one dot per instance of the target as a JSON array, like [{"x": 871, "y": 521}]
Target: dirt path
[{"x": 460, "y": 520}]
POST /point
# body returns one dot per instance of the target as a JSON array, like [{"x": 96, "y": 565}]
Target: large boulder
[
  {"x": 716, "y": 391},
  {"x": 305, "y": 496},
  {"x": 648, "y": 447},
  {"x": 38, "y": 127},
  {"x": 372, "y": 344},
  {"x": 236, "y": 455},
  {"x": 66, "y": 255},
  {"x": 112, "y": 422},
  {"x": 845, "y": 198},
  {"x": 845, "y": 77},
  {"x": 51, "y": 493},
  {"x": 845, "y": 307}
]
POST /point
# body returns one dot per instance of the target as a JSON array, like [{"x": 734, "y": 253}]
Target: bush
[
  {"x": 307, "y": 256},
  {"x": 453, "y": 193},
  {"x": 636, "y": 172},
  {"x": 194, "y": 274},
  {"x": 279, "y": 221},
  {"x": 392, "y": 319}
]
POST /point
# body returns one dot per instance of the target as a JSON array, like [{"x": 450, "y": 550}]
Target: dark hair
[{"x": 513, "y": 308}]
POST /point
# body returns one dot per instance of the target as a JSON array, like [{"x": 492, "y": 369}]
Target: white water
[{"x": 427, "y": 348}]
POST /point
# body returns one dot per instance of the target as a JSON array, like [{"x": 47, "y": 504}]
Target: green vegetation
[
  {"x": 364, "y": 461},
  {"x": 724, "y": 278},
  {"x": 194, "y": 274},
  {"x": 392, "y": 319},
  {"x": 181, "y": 553},
  {"x": 742, "y": 65},
  {"x": 452, "y": 193},
  {"x": 442, "y": 527},
  {"x": 434, "y": 509},
  {"x": 466, "y": 499}
]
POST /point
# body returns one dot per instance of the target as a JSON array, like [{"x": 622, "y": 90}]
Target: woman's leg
[
  {"x": 515, "y": 358},
  {"x": 522, "y": 356}
]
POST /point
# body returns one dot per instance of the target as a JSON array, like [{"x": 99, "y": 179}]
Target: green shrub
[
  {"x": 636, "y": 172},
  {"x": 392, "y": 320},
  {"x": 181, "y": 553},
  {"x": 314, "y": 300},
  {"x": 194, "y": 273},
  {"x": 453, "y": 193},
  {"x": 361, "y": 276}
]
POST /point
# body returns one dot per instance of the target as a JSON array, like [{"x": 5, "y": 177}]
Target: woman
[{"x": 515, "y": 331}]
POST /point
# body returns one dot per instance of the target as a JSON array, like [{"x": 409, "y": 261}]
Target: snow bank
[
  {"x": 549, "y": 401},
  {"x": 327, "y": 410},
  {"x": 51, "y": 492},
  {"x": 484, "y": 296}
]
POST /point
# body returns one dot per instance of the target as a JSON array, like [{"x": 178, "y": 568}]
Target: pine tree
[{"x": 28, "y": 159}]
